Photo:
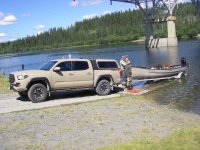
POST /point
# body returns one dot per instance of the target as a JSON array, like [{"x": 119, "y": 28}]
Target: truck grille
[{"x": 11, "y": 78}]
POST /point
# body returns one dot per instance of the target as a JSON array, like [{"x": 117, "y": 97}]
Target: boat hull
[{"x": 144, "y": 73}]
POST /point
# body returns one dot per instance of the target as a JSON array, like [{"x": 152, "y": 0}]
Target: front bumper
[
  {"x": 11, "y": 87},
  {"x": 17, "y": 87}
]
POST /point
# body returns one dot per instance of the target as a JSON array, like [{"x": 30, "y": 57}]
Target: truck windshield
[{"x": 48, "y": 65}]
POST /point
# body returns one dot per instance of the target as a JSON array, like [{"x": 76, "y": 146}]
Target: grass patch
[
  {"x": 64, "y": 110},
  {"x": 29, "y": 134},
  {"x": 3, "y": 128},
  {"x": 36, "y": 146},
  {"x": 54, "y": 110},
  {"x": 146, "y": 130},
  {"x": 4, "y": 85},
  {"x": 184, "y": 139},
  {"x": 68, "y": 129}
]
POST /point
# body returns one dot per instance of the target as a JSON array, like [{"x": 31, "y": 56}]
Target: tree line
[{"x": 111, "y": 28}]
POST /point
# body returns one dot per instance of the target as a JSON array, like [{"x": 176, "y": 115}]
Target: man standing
[
  {"x": 122, "y": 66},
  {"x": 126, "y": 72}
]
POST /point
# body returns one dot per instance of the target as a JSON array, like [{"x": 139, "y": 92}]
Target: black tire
[
  {"x": 23, "y": 94},
  {"x": 37, "y": 93},
  {"x": 103, "y": 88}
]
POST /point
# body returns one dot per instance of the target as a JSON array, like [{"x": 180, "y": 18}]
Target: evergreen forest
[{"x": 111, "y": 28}]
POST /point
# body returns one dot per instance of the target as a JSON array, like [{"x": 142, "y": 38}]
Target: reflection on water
[
  {"x": 165, "y": 55},
  {"x": 182, "y": 94}
]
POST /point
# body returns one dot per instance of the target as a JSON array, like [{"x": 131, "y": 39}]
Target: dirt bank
[{"x": 91, "y": 125}]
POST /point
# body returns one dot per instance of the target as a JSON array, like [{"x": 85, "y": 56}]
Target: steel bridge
[
  {"x": 158, "y": 11},
  {"x": 150, "y": 7}
]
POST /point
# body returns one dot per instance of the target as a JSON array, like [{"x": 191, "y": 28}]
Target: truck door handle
[{"x": 71, "y": 74}]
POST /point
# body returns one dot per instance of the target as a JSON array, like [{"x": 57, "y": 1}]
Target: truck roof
[{"x": 77, "y": 59}]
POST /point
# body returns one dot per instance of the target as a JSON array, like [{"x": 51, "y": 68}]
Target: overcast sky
[{"x": 19, "y": 18}]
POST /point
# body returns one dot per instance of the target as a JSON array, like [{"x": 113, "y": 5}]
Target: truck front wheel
[
  {"x": 37, "y": 93},
  {"x": 103, "y": 88}
]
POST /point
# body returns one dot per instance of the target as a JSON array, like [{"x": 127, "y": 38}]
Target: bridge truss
[
  {"x": 161, "y": 8},
  {"x": 159, "y": 11}
]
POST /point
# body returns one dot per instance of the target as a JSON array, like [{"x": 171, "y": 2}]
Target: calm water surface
[{"x": 183, "y": 94}]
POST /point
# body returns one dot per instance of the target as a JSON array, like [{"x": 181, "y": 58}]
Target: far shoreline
[{"x": 139, "y": 41}]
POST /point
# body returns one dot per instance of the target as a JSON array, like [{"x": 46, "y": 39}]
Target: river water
[{"x": 183, "y": 94}]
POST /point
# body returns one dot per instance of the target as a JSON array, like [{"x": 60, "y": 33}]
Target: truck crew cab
[{"x": 66, "y": 74}]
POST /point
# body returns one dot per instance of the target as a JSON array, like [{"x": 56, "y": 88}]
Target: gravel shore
[{"x": 91, "y": 125}]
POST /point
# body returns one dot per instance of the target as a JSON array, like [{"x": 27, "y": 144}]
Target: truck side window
[
  {"x": 79, "y": 65},
  {"x": 65, "y": 66},
  {"x": 107, "y": 64}
]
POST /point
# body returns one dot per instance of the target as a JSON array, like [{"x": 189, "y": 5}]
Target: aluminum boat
[{"x": 161, "y": 71}]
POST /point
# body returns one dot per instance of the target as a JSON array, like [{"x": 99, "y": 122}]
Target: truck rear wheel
[
  {"x": 37, "y": 93},
  {"x": 103, "y": 88}
]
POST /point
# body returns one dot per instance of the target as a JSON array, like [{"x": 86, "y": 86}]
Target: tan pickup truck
[{"x": 66, "y": 74}]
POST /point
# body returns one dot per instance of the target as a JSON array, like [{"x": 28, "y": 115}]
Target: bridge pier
[
  {"x": 171, "y": 39},
  {"x": 148, "y": 33},
  {"x": 171, "y": 28}
]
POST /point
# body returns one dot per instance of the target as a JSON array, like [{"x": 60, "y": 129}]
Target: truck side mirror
[{"x": 56, "y": 69}]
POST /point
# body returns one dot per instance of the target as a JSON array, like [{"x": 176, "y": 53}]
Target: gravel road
[
  {"x": 90, "y": 125},
  {"x": 13, "y": 102}
]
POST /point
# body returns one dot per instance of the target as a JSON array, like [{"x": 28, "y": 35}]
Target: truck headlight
[{"x": 22, "y": 77}]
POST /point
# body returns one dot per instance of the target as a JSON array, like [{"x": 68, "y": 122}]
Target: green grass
[
  {"x": 4, "y": 84},
  {"x": 3, "y": 128},
  {"x": 184, "y": 139}
]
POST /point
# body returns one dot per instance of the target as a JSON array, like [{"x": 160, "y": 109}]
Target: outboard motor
[{"x": 183, "y": 61}]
